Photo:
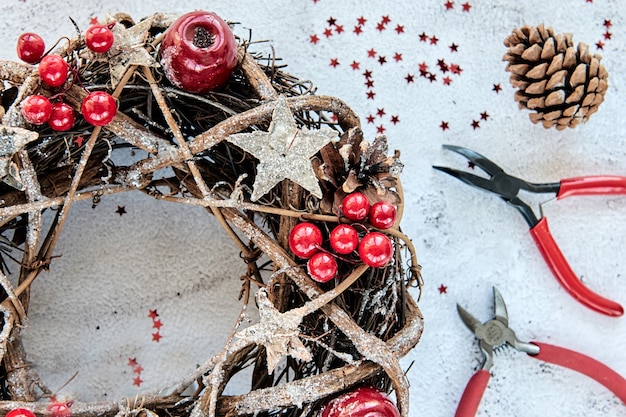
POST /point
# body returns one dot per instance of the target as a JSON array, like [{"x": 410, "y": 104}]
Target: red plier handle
[
  {"x": 470, "y": 400},
  {"x": 552, "y": 253}
]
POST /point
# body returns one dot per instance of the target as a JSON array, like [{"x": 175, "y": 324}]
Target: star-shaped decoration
[
  {"x": 121, "y": 210},
  {"x": 153, "y": 314},
  {"x": 278, "y": 332},
  {"x": 284, "y": 152},
  {"x": 12, "y": 140},
  {"x": 156, "y": 337},
  {"x": 137, "y": 381},
  {"x": 129, "y": 49},
  {"x": 157, "y": 324},
  {"x": 132, "y": 362},
  {"x": 442, "y": 289}
]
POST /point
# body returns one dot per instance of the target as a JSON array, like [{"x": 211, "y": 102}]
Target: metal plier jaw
[{"x": 496, "y": 332}]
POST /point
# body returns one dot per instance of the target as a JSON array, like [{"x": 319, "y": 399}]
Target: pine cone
[{"x": 562, "y": 84}]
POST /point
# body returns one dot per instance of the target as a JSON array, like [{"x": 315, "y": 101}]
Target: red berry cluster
[
  {"x": 98, "y": 108},
  {"x": 374, "y": 248}
]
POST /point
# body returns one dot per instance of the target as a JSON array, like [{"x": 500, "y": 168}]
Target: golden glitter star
[
  {"x": 284, "y": 152},
  {"x": 129, "y": 49},
  {"x": 278, "y": 332},
  {"x": 12, "y": 140}
]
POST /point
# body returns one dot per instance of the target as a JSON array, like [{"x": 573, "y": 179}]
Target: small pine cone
[{"x": 564, "y": 85}]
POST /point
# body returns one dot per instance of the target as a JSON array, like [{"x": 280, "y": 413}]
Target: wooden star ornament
[
  {"x": 277, "y": 332},
  {"x": 284, "y": 152},
  {"x": 129, "y": 49},
  {"x": 12, "y": 140}
]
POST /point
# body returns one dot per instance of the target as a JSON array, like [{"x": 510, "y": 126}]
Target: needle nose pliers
[
  {"x": 508, "y": 188},
  {"x": 496, "y": 333}
]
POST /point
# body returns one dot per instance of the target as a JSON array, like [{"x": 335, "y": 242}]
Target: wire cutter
[
  {"x": 496, "y": 334},
  {"x": 508, "y": 188}
]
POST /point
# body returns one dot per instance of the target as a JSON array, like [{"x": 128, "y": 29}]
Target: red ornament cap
[
  {"x": 375, "y": 249},
  {"x": 362, "y": 402},
  {"x": 199, "y": 52}
]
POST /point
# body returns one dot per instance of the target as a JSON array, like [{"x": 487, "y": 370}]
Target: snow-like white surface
[{"x": 90, "y": 312}]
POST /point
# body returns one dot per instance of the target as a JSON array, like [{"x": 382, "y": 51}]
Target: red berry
[
  {"x": 382, "y": 215},
  {"x": 362, "y": 402},
  {"x": 199, "y": 52},
  {"x": 99, "y": 108},
  {"x": 30, "y": 47},
  {"x": 61, "y": 409},
  {"x": 62, "y": 117},
  {"x": 53, "y": 70},
  {"x": 344, "y": 239},
  {"x": 305, "y": 239},
  {"x": 355, "y": 206},
  {"x": 20, "y": 412},
  {"x": 375, "y": 249},
  {"x": 99, "y": 38},
  {"x": 36, "y": 109},
  {"x": 322, "y": 267}
]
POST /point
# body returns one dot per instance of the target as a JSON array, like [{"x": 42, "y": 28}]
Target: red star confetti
[
  {"x": 157, "y": 324},
  {"x": 497, "y": 88},
  {"x": 454, "y": 47},
  {"x": 395, "y": 119},
  {"x": 442, "y": 289},
  {"x": 132, "y": 362},
  {"x": 385, "y": 20},
  {"x": 339, "y": 29},
  {"x": 328, "y": 32},
  {"x": 484, "y": 115},
  {"x": 314, "y": 39},
  {"x": 475, "y": 124},
  {"x": 433, "y": 40},
  {"x": 380, "y": 129},
  {"x": 409, "y": 78},
  {"x": 371, "y": 53},
  {"x": 382, "y": 60},
  {"x": 355, "y": 65},
  {"x": 370, "y": 118},
  {"x": 156, "y": 337},
  {"x": 423, "y": 37},
  {"x": 370, "y": 95},
  {"x": 334, "y": 62},
  {"x": 357, "y": 30},
  {"x": 138, "y": 369},
  {"x": 369, "y": 83},
  {"x": 466, "y": 6},
  {"x": 447, "y": 80},
  {"x": 79, "y": 140},
  {"x": 449, "y": 5},
  {"x": 380, "y": 112},
  {"x": 607, "y": 35},
  {"x": 607, "y": 23},
  {"x": 153, "y": 314},
  {"x": 397, "y": 57},
  {"x": 93, "y": 20},
  {"x": 444, "y": 126},
  {"x": 600, "y": 45},
  {"x": 331, "y": 21},
  {"x": 380, "y": 27},
  {"x": 399, "y": 29},
  {"x": 137, "y": 381}
]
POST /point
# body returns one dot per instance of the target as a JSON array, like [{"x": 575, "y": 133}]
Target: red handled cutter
[
  {"x": 496, "y": 333},
  {"x": 508, "y": 188}
]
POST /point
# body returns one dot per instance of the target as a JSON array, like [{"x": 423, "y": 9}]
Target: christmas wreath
[{"x": 312, "y": 205}]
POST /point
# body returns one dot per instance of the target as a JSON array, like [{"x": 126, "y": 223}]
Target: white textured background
[{"x": 90, "y": 312}]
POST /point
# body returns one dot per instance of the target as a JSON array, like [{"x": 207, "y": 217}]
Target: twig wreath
[{"x": 313, "y": 207}]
